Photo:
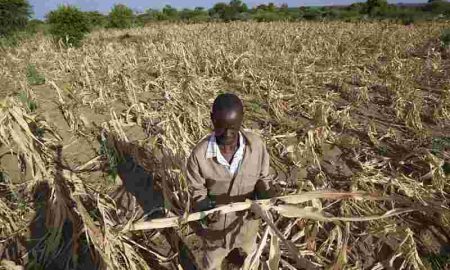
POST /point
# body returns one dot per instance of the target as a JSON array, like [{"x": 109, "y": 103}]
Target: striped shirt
[{"x": 213, "y": 151}]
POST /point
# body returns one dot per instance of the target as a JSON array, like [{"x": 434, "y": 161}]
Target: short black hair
[{"x": 227, "y": 101}]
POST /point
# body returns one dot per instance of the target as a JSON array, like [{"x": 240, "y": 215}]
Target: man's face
[{"x": 227, "y": 124}]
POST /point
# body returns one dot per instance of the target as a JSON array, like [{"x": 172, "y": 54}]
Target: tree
[
  {"x": 238, "y": 6},
  {"x": 186, "y": 14},
  {"x": 438, "y": 6},
  {"x": 235, "y": 10},
  {"x": 218, "y": 10},
  {"x": 310, "y": 14},
  {"x": 96, "y": 19},
  {"x": 69, "y": 24},
  {"x": 150, "y": 15},
  {"x": 267, "y": 16},
  {"x": 271, "y": 7},
  {"x": 170, "y": 12},
  {"x": 14, "y": 15},
  {"x": 445, "y": 37},
  {"x": 35, "y": 25},
  {"x": 376, "y": 6},
  {"x": 121, "y": 16},
  {"x": 196, "y": 15},
  {"x": 359, "y": 7}
]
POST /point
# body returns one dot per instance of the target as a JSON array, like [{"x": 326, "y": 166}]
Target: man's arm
[{"x": 197, "y": 186}]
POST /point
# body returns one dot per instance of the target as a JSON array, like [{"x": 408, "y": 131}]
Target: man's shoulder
[
  {"x": 254, "y": 139},
  {"x": 201, "y": 146}
]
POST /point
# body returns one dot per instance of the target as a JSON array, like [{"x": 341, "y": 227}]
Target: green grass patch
[
  {"x": 4, "y": 177},
  {"x": 438, "y": 261},
  {"x": 33, "y": 76},
  {"x": 439, "y": 144},
  {"x": 445, "y": 38},
  {"x": 446, "y": 168},
  {"x": 29, "y": 103},
  {"x": 383, "y": 150},
  {"x": 255, "y": 106},
  {"x": 9, "y": 41},
  {"x": 113, "y": 158},
  {"x": 14, "y": 39}
]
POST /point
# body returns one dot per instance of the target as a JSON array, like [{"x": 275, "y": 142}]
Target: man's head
[{"x": 227, "y": 115}]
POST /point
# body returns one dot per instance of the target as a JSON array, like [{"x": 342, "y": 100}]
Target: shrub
[
  {"x": 235, "y": 10},
  {"x": 268, "y": 16},
  {"x": 445, "y": 37},
  {"x": 96, "y": 19},
  {"x": 405, "y": 16},
  {"x": 35, "y": 26},
  {"x": 350, "y": 15},
  {"x": 69, "y": 24},
  {"x": 375, "y": 7},
  {"x": 33, "y": 76},
  {"x": 150, "y": 15},
  {"x": 11, "y": 40},
  {"x": 14, "y": 15},
  {"x": 121, "y": 16},
  {"x": 359, "y": 7},
  {"x": 437, "y": 6},
  {"x": 170, "y": 13},
  {"x": 438, "y": 261},
  {"x": 311, "y": 14},
  {"x": 196, "y": 15},
  {"x": 408, "y": 20}
]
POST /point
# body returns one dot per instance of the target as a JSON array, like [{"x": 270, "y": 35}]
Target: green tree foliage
[
  {"x": 170, "y": 12},
  {"x": 198, "y": 14},
  {"x": 121, "y": 16},
  {"x": 438, "y": 7},
  {"x": 35, "y": 26},
  {"x": 218, "y": 11},
  {"x": 376, "y": 7},
  {"x": 359, "y": 7},
  {"x": 238, "y": 6},
  {"x": 331, "y": 13},
  {"x": 445, "y": 39},
  {"x": 270, "y": 12},
  {"x": 14, "y": 15},
  {"x": 404, "y": 16},
  {"x": 235, "y": 10},
  {"x": 271, "y": 7},
  {"x": 150, "y": 15},
  {"x": 69, "y": 24},
  {"x": 350, "y": 15},
  {"x": 96, "y": 19},
  {"x": 266, "y": 16},
  {"x": 310, "y": 13}
]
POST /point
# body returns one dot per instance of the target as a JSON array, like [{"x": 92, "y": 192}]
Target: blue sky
[{"x": 42, "y": 7}]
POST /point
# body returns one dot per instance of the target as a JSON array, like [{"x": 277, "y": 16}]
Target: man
[{"x": 230, "y": 165}]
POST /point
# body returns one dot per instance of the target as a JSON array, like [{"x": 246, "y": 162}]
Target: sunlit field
[{"x": 346, "y": 107}]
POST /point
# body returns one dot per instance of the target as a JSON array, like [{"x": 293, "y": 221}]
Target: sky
[{"x": 42, "y": 7}]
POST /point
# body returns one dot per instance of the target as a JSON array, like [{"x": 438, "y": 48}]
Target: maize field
[{"x": 356, "y": 117}]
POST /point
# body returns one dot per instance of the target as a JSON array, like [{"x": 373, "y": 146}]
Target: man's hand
[
  {"x": 263, "y": 192},
  {"x": 213, "y": 217}
]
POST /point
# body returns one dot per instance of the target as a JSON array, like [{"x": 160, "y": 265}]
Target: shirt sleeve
[
  {"x": 263, "y": 186},
  {"x": 197, "y": 186}
]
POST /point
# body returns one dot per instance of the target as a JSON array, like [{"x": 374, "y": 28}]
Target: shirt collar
[{"x": 213, "y": 147}]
